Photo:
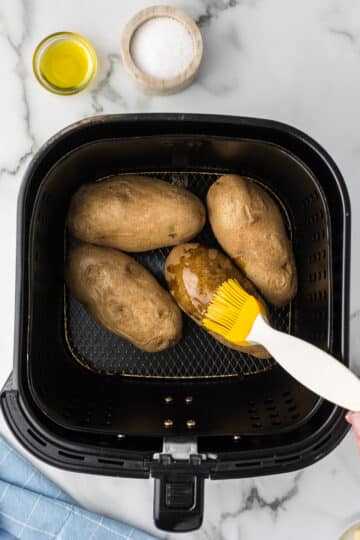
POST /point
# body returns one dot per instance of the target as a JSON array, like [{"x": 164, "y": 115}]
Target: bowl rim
[
  {"x": 42, "y": 47},
  {"x": 147, "y": 82}
]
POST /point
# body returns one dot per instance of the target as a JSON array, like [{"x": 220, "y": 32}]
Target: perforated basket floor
[{"x": 197, "y": 355}]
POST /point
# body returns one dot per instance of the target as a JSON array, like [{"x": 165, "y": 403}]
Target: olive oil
[{"x": 64, "y": 63}]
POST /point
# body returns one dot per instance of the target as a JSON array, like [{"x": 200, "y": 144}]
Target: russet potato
[
  {"x": 135, "y": 213},
  {"x": 123, "y": 297},
  {"x": 249, "y": 227},
  {"x": 193, "y": 273}
]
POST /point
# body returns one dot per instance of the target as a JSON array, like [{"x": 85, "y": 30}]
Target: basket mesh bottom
[{"x": 197, "y": 355}]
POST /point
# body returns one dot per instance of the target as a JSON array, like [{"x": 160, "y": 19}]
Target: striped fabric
[{"x": 33, "y": 508}]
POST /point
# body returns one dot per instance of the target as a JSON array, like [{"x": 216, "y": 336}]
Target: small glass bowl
[
  {"x": 348, "y": 526},
  {"x": 64, "y": 36}
]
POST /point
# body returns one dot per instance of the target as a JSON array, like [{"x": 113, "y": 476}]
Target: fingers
[{"x": 353, "y": 418}]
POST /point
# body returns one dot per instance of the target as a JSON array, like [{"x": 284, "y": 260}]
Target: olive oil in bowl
[{"x": 64, "y": 63}]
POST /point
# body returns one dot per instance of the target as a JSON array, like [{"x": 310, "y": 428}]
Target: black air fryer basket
[{"x": 82, "y": 399}]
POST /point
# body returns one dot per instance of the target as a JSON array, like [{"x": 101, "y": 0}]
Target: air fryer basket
[
  {"x": 82, "y": 398},
  {"x": 197, "y": 355}
]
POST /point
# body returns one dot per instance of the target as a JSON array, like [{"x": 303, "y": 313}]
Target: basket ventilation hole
[
  {"x": 292, "y": 408},
  {"x": 310, "y": 199}
]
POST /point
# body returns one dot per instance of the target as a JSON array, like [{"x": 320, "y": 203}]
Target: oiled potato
[
  {"x": 135, "y": 213},
  {"x": 248, "y": 225},
  {"x": 123, "y": 297},
  {"x": 193, "y": 273}
]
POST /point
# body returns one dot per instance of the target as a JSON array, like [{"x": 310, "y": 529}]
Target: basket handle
[{"x": 178, "y": 501}]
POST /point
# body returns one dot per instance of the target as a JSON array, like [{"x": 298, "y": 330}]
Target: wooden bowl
[{"x": 153, "y": 85}]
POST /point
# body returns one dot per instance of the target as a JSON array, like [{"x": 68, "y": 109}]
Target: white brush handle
[{"x": 312, "y": 367}]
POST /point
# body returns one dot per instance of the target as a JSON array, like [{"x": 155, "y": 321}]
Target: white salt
[{"x": 162, "y": 47}]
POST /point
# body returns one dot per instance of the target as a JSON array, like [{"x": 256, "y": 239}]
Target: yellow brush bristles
[{"x": 232, "y": 312}]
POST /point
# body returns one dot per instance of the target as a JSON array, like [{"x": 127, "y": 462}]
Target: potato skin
[
  {"x": 123, "y": 297},
  {"x": 135, "y": 213},
  {"x": 193, "y": 273},
  {"x": 248, "y": 225}
]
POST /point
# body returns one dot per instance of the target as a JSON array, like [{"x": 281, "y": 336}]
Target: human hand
[{"x": 353, "y": 418}]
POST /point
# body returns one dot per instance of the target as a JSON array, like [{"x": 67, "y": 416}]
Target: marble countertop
[{"x": 296, "y": 62}]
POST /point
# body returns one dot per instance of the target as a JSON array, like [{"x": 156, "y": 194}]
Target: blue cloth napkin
[{"x": 33, "y": 508}]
